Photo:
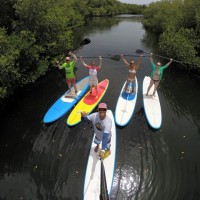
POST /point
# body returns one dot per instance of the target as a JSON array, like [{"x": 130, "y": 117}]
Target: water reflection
[{"x": 48, "y": 162}]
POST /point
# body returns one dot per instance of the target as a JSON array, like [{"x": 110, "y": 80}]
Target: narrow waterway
[{"x": 43, "y": 162}]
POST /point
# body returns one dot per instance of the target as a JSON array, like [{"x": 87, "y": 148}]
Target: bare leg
[
  {"x": 133, "y": 88},
  {"x": 155, "y": 88},
  {"x": 69, "y": 86},
  {"x": 75, "y": 88},
  {"x": 125, "y": 88},
  {"x": 96, "y": 91},
  {"x": 150, "y": 85},
  {"x": 91, "y": 86}
]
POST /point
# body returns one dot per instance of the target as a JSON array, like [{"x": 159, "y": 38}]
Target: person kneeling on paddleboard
[
  {"x": 156, "y": 74},
  {"x": 102, "y": 127}
]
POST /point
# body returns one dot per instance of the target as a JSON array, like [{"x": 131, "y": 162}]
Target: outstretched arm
[
  {"x": 83, "y": 62},
  {"x": 58, "y": 64},
  {"x": 169, "y": 62},
  {"x": 84, "y": 117},
  {"x": 73, "y": 55},
  {"x": 151, "y": 58},
  {"x": 100, "y": 63},
  {"x": 125, "y": 61}
]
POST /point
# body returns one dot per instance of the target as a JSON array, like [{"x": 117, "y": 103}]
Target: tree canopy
[
  {"x": 33, "y": 32},
  {"x": 177, "y": 22}
]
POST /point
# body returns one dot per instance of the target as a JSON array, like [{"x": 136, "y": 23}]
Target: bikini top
[
  {"x": 156, "y": 73},
  {"x": 133, "y": 71}
]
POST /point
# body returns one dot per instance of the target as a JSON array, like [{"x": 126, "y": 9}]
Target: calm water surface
[{"x": 48, "y": 161}]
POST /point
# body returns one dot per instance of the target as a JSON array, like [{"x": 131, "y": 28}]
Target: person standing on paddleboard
[
  {"x": 69, "y": 71},
  {"x": 93, "y": 69},
  {"x": 131, "y": 72},
  {"x": 156, "y": 74},
  {"x": 102, "y": 127}
]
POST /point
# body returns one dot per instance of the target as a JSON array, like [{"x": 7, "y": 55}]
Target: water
[{"x": 48, "y": 161}]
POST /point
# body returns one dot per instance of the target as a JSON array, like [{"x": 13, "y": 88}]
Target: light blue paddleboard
[
  {"x": 64, "y": 104},
  {"x": 126, "y": 105},
  {"x": 152, "y": 106}
]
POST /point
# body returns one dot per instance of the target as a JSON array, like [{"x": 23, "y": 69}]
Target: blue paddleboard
[
  {"x": 126, "y": 105},
  {"x": 66, "y": 101}
]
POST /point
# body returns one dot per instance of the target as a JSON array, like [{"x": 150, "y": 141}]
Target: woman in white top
[
  {"x": 131, "y": 72},
  {"x": 93, "y": 69}
]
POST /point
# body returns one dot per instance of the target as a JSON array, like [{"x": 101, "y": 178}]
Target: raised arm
[
  {"x": 169, "y": 62},
  {"x": 125, "y": 61},
  {"x": 151, "y": 58},
  {"x": 74, "y": 56},
  {"x": 58, "y": 64},
  {"x": 81, "y": 58},
  {"x": 100, "y": 61}
]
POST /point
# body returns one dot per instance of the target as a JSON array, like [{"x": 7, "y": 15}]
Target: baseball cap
[
  {"x": 102, "y": 105},
  {"x": 67, "y": 58}
]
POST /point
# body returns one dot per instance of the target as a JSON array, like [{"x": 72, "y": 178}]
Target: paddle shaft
[
  {"x": 104, "y": 191},
  {"x": 139, "y": 51}
]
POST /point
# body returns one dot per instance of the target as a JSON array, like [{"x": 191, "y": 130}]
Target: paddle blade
[
  {"x": 85, "y": 41},
  {"x": 139, "y": 51},
  {"x": 116, "y": 57}
]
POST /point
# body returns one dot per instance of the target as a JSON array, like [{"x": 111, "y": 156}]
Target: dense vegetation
[
  {"x": 177, "y": 22},
  {"x": 32, "y": 32}
]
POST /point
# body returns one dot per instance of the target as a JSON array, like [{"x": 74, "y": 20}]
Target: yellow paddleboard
[{"x": 87, "y": 103}]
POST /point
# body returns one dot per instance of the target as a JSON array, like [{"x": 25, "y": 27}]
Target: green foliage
[
  {"x": 178, "y": 24},
  {"x": 34, "y": 32},
  {"x": 183, "y": 44}
]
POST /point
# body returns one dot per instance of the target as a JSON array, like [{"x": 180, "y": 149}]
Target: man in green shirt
[
  {"x": 156, "y": 74},
  {"x": 69, "y": 71}
]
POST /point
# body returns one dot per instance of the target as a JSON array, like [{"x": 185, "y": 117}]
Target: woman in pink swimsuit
[
  {"x": 132, "y": 71},
  {"x": 93, "y": 69}
]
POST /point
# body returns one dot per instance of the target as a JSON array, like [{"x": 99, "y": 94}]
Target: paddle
[
  {"x": 104, "y": 191},
  {"x": 111, "y": 57},
  {"x": 82, "y": 43},
  {"x": 139, "y": 51},
  {"x": 114, "y": 57},
  {"x": 118, "y": 57}
]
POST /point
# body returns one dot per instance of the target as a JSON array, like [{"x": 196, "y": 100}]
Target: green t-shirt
[
  {"x": 161, "y": 69},
  {"x": 69, "y": 69}
]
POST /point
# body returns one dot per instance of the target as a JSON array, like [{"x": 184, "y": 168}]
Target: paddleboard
[
  {"x": 66, "y": 101},
  {"x": 87, "y": 103},
  {"x": 152, "y": 106},
  {"x": 92, "y": 181},
  {"x": 126, "y": 105}
]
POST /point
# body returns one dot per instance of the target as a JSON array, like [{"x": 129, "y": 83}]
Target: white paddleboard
[
  {"x": 93, "y": 170},
  {"x": 152, "y": 106},
  {"x": 125, "y": 105}
]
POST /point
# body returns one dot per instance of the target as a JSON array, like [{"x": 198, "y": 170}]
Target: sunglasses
[{"x": 102, "y": 110}]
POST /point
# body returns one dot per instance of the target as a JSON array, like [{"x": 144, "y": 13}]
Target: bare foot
[{"x": 147, "y": 94}]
